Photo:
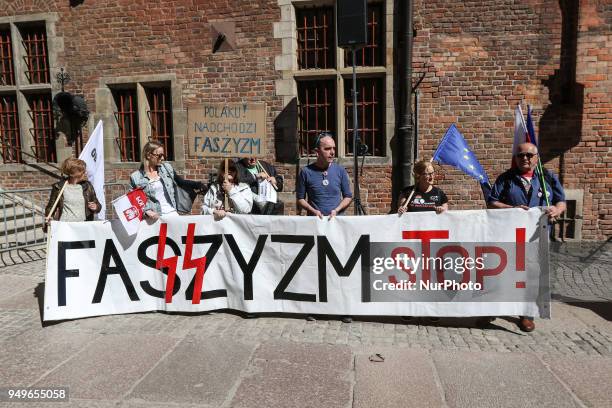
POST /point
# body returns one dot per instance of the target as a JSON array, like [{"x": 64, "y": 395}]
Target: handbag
[{"x": 184, "y": 196}]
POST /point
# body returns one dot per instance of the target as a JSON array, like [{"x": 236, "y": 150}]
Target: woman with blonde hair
[
  {"x": 74, "y": 197},
  {"x": 239, "y": 195},
  {"x": 423, "y": 195},
  {"x": 157, "y": 179}
]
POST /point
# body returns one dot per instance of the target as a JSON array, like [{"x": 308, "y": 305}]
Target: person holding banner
[
  {"x": 524, "y": 187},
  {"x": 325, "y": 183},
  {"x": 255, "y": 172},
  {"x": 157, "y": 179},
  {"x": 423, "y": 195},
  {"x": 239, "y": 194},
  {"x": 72, "y": 199}
]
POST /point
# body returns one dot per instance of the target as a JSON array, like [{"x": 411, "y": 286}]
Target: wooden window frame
[
  {"x": 42, "y": 131},
  {"x": 370, "y": 66},
  {"x": 10, "y": 129}
]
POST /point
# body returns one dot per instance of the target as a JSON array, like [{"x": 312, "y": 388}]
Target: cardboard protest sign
[{"x": 226, "y": 130}]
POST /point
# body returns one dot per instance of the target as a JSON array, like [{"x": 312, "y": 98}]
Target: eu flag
[{"x": 454, "y": 151}]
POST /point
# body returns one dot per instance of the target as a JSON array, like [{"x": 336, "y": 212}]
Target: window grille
[
  {"x": 566, "y": 228},
  {"x": 160, "y": 117},
  {"x": 7, "y": 76},
  {"x": 372, "y": 53},
  {"x": 41, "y": 114},
  {"x": 127, "y": 119},
  {"x": 316, "y": 38},
  {"x": 316, "y": 111},
  {"x": 9, "y": 130},
  {"x": 370, "y": 114},
  {"x": 36, "y": 58}
]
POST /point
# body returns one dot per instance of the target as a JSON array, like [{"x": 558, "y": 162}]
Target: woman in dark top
[{"x": 423, "y": 196}]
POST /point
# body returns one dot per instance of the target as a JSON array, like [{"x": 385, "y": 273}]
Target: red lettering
[
  {"x": 457, "y": 249},
  {"x": 425, "y": 237},
  {"x": 410, "y": 253},
  {"x": 482, "y": 272},
  {"x": 169, "y": 263},
  {"x": 198, "y": 263}
]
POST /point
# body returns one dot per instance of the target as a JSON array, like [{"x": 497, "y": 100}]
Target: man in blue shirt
[
  {"x": 521, "y": 187},
  {"x": 325, "y": 183}
]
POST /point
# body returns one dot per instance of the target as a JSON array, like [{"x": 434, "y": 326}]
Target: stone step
[
  {"x": 23, "y": 238},
  {"x": 9, "y": 227},
  {"x": 15, "y": 212}
]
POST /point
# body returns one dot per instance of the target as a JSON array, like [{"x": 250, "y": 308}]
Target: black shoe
[
  {"x": 484, "y": 321},
  {"x": 346, "y": 319},
  {"x": 310, "y": 318}
]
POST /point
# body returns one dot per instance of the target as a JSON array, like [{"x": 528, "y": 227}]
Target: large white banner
[{"x": 459, "y": 263}]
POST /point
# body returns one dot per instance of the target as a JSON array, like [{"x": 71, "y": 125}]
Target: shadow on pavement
[
  {"x": 39, "y": 294},
  {"x": 602, "y": 308}
]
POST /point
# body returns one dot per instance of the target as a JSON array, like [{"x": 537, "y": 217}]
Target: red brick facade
[{"x": 478, "y": 59}]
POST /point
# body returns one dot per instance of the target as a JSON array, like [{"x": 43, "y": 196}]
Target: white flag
[
  {"x": 93, "y": 156},
  {"x": 520, "y": 129}
]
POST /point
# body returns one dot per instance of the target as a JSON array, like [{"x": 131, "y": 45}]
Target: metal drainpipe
[{"x": 405, "y": 140}]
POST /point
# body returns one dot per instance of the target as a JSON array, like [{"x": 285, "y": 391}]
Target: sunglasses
[
  {"x": 319, "y": 137},
  {"x": 160, "y": 155},
  {"x": 523, "y": 155}
]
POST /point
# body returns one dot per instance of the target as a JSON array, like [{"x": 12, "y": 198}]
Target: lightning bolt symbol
[
  {"x": 169, "y": 263},
  {"x": 198, "y": 263}
]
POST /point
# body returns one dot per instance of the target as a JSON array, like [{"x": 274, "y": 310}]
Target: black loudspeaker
[{"x": 351, "y": 23}]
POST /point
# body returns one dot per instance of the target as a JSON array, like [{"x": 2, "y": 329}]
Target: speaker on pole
[{"x": 351, "y": 23}]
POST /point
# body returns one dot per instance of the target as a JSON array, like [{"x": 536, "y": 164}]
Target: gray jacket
[{"x": 168, "y": 177}]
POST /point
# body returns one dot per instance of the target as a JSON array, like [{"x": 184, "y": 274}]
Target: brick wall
[{"x": 479, "y": 60}]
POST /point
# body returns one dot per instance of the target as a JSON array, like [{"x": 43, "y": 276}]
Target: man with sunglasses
[
  {"x": 521, "y": 187},
  {"x": 324, "y": 183}
]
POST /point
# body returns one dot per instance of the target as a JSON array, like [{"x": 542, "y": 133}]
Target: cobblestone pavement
[{"x": 575, "y": 344}]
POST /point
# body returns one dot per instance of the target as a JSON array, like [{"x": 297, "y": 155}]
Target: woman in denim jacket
[{"x": 157, "y": 178}]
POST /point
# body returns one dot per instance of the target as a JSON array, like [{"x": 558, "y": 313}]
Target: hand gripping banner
[{"x": 459, "y": 263}]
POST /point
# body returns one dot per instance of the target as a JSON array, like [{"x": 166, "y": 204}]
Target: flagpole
[
  {"x": 258, "y": 164},
  {"x": 405, "y": 206}
]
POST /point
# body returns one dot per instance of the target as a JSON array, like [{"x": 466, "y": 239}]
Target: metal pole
[
  {"x": 357, "y": 200},
  {"x": 405, "y": 140}
]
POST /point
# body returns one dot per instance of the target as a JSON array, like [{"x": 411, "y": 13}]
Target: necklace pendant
[{"x": 325, "y": 182}]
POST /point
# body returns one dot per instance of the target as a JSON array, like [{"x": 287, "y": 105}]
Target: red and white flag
[{"x": 130, "y": 209}]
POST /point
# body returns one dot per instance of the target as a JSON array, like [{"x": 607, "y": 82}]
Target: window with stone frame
[
  {"x": 9, "y": 129},
  {"x": 159, "y": 101},
  {"x": 143, "y": 113},
  {"x": 324, "y": 81},
  {"x": 26, "y": 114}
]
